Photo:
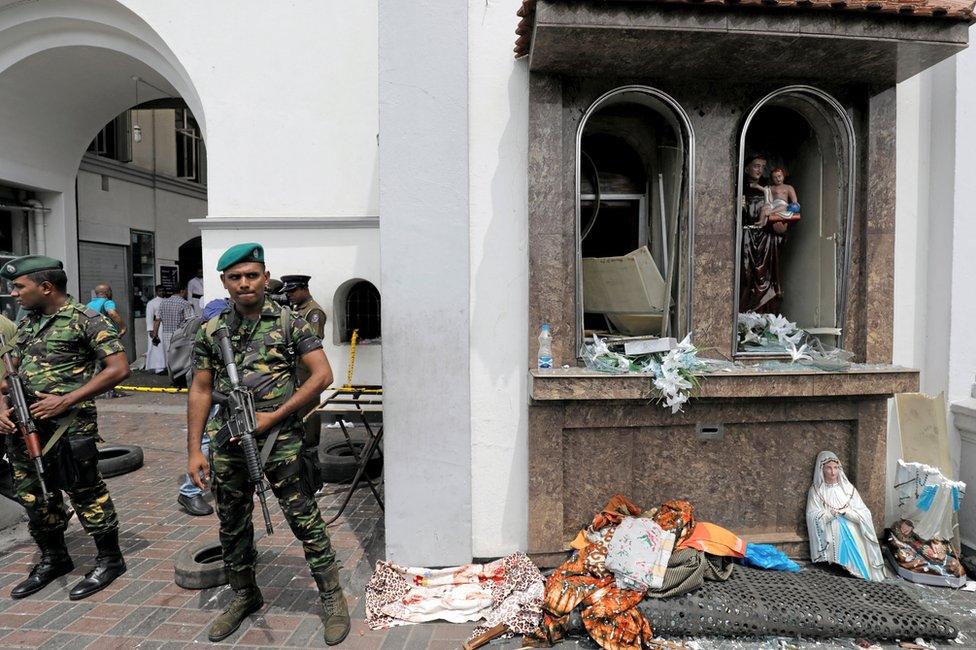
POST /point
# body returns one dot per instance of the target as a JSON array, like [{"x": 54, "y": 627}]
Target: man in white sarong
[
  {"x": 840, "y": 526},
  {"x": 194, "y": 292},
  {"x": 155, "y": 356}
]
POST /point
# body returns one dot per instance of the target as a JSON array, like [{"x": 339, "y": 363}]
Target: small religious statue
[
  {"x": 781, "y": 198},
  {"x": 839, "y": 524},
  {"x": 911, "y": 552},
  {"x": 761, "y": 287}
]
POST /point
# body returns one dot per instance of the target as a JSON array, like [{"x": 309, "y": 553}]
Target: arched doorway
[{"x": 190, "y": 259}]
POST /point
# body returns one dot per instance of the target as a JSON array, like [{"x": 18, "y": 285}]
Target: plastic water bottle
[{"x": 545, "y": 346}]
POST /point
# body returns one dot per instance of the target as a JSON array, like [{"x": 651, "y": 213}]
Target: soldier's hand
[
  {"x": 264, "y": 421},
  {"x": 49, "y": 406},
  {"x": 196, "y": 464},
  {"x": 7, "y": 425}
]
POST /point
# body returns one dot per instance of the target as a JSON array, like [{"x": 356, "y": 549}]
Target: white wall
[
  {"x": 331, "y": 256},
  {"x": 935, "y": 269},
  {"x": 289, "y": 95},
  {"x": 498, "y": 207}
]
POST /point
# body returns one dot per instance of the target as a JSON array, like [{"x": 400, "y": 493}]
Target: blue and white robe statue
[{"x": 840, "y": 526}]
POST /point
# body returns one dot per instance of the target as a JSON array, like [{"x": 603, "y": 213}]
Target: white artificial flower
[
  {"x": 783, "y": 329},
  {"x": 798, "y": 354},
  {"x": 676, "y": 401}
]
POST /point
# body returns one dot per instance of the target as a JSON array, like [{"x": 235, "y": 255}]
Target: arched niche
[
  {"x": 634, "y": 209},
  {"x": 356, "y": 306},
  {"x": 810, "y": 135}
]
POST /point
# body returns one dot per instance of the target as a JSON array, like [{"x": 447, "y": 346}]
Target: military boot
[
  {"x": 247, "y": 600},
  {"x": 55, "y": 562},
  {"x": 109, "y": 565},
  {"x": 337, "y": 621}
]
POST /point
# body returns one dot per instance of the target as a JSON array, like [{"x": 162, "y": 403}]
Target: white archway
[{"x": 66, "y": 69}]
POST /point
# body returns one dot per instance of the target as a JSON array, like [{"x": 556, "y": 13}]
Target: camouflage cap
[
  {"x": 29, "y": 264},
  {"x": 249, "y": 252}
]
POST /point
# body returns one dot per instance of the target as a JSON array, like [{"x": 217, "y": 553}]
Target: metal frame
[
  {"x": 838, "y": 109},
  {"x": 689, "y": 162}
]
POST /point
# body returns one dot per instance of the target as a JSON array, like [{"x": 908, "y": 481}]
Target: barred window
[{"x": 361, "y": 312}]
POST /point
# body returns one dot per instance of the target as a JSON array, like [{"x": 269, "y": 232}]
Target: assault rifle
[
  {"x": 25, "y": 422},
  {"x": 242, "y": 421}
]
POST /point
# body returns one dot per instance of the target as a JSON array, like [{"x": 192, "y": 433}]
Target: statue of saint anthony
[{"x": 760, "y": 287}]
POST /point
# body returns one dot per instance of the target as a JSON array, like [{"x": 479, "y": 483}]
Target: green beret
[
  {"x": 241, "y": 253},
  {"x": 29, "y": 264}
]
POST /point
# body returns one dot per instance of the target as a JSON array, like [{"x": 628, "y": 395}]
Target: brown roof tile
[{"x": 952, "y": 9}]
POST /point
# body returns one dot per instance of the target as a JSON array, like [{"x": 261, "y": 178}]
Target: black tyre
[
  {"x": 114, "y": 460},
  {"x": 200, "y": 566},
  {"x": 339, "y": 464}
]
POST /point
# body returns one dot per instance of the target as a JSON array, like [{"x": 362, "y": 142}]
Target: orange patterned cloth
[
  {"x": 609, "y": 614},
  {"x": 616, "y": 509},
  {"x": 678, "y": 517}
]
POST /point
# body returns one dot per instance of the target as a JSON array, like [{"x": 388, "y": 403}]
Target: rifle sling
[{"x": 58, "y": 433}]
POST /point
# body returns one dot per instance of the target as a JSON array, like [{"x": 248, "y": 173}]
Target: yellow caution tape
[{"x": 152, "y": 389}]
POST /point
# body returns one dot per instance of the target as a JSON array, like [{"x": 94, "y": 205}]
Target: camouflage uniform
[
  {"x": 58, "y": 354},
  {"x": 267, "y": 365},
  {"x": 314, "y": 315}
]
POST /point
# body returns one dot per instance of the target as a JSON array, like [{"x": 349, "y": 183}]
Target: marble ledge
[{"x": 572, "y": 384}]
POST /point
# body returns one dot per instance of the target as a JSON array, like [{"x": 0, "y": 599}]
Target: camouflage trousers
[
  {"x": 235, "y": 501},
  {"x": 89, "y": 496}
]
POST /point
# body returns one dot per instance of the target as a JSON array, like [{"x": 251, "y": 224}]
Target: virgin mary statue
[{"x": 840, "y": 527}]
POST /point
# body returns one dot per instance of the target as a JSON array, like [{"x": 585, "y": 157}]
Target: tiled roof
[{"x": 951, "y": 9}]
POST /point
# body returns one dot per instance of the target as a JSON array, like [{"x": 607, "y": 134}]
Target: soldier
[
  {"x": 268, "y": 344},
  {"x": 60, "y": 345},
  {"x": 295, "y": 287}
]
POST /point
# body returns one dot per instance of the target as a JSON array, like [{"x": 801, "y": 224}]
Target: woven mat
[{"x": 812, "y": 604}]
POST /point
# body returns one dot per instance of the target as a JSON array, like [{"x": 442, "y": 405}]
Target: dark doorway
[{"x": 191, "y": 259}]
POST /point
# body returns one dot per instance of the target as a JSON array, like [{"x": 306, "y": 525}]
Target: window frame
[
  {"x": 688, "y": 136},
  {"x": 189, "y": 147},
  {"x": 133, "y": 234},
  {"x": 827, "y": 101}
]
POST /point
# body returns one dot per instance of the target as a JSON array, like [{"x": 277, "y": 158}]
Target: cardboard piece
[
  {"x": 649, "y": 345},
  {"x": 628, "y": 289},
  {"x": 924, "y": 430}
]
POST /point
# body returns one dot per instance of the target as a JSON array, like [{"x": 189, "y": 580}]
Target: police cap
[{"x": 295, "y": 282}]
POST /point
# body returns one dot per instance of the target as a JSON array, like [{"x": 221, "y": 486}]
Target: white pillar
[{"x": 424, "y": 258}]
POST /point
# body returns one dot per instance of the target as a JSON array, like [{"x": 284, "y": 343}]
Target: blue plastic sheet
[{"x": 765, "y": 556}]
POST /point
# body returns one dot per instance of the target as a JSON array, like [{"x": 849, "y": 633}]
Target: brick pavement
[{"x": 146, "y": 609}]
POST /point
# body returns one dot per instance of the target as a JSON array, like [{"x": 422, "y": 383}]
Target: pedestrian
[
  {"x": 269, "y": 344},
  {"x": 295, "y": 287},
  {"x": 155, "y": 354},
  {"x": 191, "y": 496},
  {"x": 104, "y": 305},
  {"x": 172, "y": 312},
  {"x": 194, "y": 289},
  {"x": 66, "y": 354}
]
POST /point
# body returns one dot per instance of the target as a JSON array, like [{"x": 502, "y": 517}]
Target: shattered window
[{"x": 633, "y": 205}]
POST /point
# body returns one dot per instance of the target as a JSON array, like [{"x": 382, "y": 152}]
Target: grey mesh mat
[{"x": 812, "y": 604}]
